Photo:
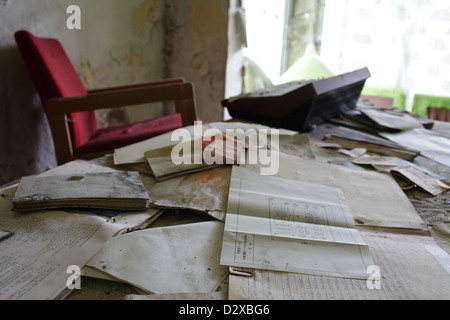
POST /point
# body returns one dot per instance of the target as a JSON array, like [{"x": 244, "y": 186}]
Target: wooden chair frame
[{"x": 58, "y": 109}]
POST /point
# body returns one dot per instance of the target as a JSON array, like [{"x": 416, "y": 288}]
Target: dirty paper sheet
[
  {"x": 204, "y": 191},
  {"x": 34, "y": 261},
  {"x": 405, "y": 267},
  {"x": 163, "y": 167},
  {"x": 5, "y": 234},
  {"x": 216, "y": 295},
  {"x": 135, "y": 153},
  {"x": 431, "y": 144},
  {"x": 406, "y": 170},
  {"x": 176, "y": 259},
  {"x": 391, "y": 118},
  {"x": 48, "y": 242},
  {"x": 287, "y": 225},
  {"x": 219, "y": 151},
  {"x": 374, "y": 198},
  {"x": 351, "y": 139}
]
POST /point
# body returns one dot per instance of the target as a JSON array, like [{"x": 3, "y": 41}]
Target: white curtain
[{"x": 404, "y": 43}]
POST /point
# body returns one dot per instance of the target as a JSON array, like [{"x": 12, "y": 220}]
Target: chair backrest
[
  {"x": 55, "y": 77},
  {"x": 431, "y": 106},
  {"x": 440, "y": 114}
]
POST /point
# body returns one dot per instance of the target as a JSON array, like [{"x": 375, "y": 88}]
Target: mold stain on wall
[
  {"x": 196, "y": 43},
  {"x": 89, "y": 74},
  {"x": 141, "y": 13}
]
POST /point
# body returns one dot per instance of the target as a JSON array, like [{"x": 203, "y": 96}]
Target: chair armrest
[
  {"x": 183, "y": 93},
  {"x": 142, "y": 85}
]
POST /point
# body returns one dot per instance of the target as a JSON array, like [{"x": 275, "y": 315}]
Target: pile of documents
[
  {"x": 43, "y": 248},
  {"x": 391, "y": 139},
  {"x": 332, "y": 223},
  {"x": 111, "y": 190}
]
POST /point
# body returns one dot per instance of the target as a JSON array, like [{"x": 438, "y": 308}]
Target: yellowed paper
[
  {"x": 406, "y": 267},
  {"x": 104, "y": 190},
  {"x": 35, "y": 260},
  {"x": 287, "y": 225},
  {"x": 128, "y": 221},
  {"x": 406, "y": 170},
  {"x": 205, "y": 191},
  {"x": 392, "y": 118},
  {"x": 178, "y": 259},
  {"x": 164, "y": 168},
  {"x": 5, "y": 234},
  {"x": 135, "y": 153},
  {"x": 374, "y": 198},
  {"x": 430, "y": 143}
]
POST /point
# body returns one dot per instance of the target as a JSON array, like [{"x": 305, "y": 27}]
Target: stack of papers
[
  {"x": 350, "y": 139},
  {"x": 112, "y": 190}
]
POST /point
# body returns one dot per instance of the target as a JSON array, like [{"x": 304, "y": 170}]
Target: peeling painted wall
[{"x": 196, "y": 42}]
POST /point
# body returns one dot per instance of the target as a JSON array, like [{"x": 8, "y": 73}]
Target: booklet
[{"x": 106, "y": 190}]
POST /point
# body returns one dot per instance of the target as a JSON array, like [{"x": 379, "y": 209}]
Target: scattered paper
[
  {"x": 406, "y": 171},
  {"x": 178, "y": 259},
  {"x": 163, "y": 167},
  {"x": 406, "y": 267},
  {"x": 5, "y": 234},
  {"x": 297, "y": 145},
  {"x": 391, "y": 118},
  {"x": 35, "y": 261},
  {"x": 351, "y": 139},
  {"x": 374, "y": 198},
  {"x": 135, "y": 153},
  {"x": 431, "y": 185},
  {"x": 430, "y": 143},
  {"x": 442, "y": 128},
  {"x": 205, "y": 191},
  {"x": 220, "y": 295},
  {"x": 280, "y": 224}
]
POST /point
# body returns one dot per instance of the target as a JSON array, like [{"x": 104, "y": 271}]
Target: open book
[{"x": 107, "y": 190}]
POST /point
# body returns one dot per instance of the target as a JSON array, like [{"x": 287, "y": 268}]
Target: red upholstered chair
[{"x": 70, "y": 108}]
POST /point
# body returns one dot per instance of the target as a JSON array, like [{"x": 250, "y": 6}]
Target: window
[{"x": 266, "y": 21}]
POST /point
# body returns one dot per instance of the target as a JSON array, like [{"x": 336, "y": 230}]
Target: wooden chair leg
[{"x": 61, "y": 138}]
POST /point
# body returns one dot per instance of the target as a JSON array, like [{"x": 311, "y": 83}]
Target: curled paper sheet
[{"x": 5, "y": 234}]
